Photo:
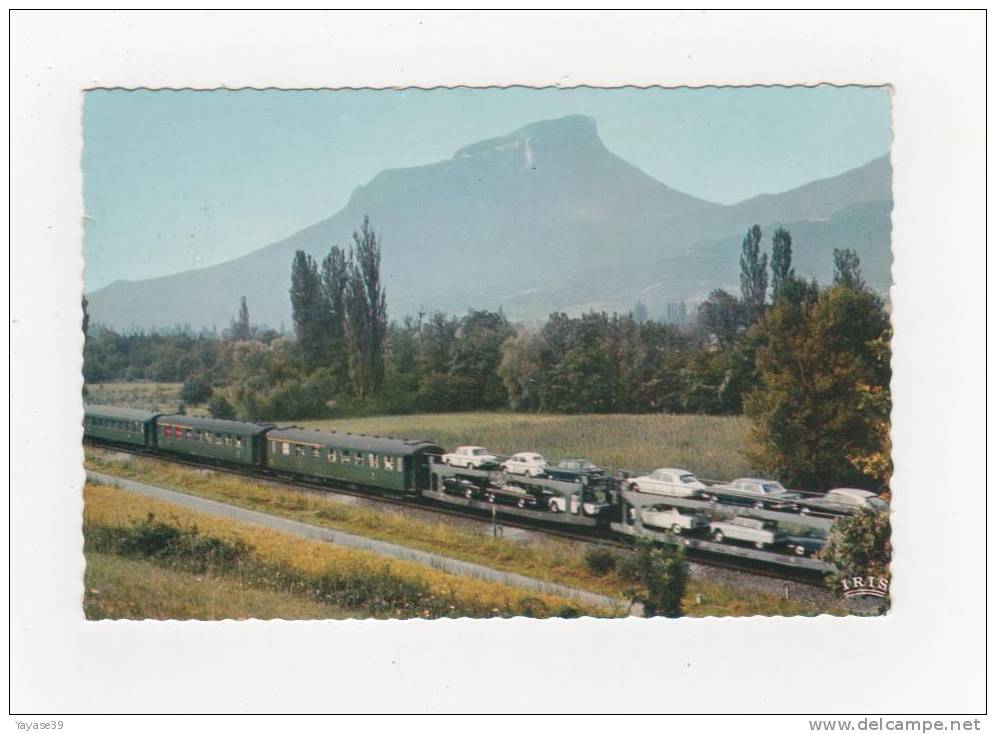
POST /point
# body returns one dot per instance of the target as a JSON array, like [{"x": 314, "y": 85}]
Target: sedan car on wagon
[
  {"x": 669, "y": 482},
  {"x": 761, "y": 493},
  {"x": 669, "y": 518},
  {"x": 526, "y": 464},
  {"x": 844, "y": 501},
  {"x": 575, "y": 470},
  {"x": 761, "y": 533},
  {"x": 470, "y": 457}
]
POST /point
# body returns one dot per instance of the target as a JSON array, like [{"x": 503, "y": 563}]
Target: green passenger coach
[
  {"x": 232, "y": 441},
  {"x": 397, "y": 464},
  {"x": 120, "y": 425}
]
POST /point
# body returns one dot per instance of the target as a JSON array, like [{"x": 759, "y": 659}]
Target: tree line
[{"x": 808, "y": 364}]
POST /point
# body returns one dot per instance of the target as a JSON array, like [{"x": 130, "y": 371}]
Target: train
[{"x": 603, "y": 505}]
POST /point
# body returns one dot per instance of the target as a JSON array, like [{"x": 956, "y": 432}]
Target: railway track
[{"x": 592, "y": 536}]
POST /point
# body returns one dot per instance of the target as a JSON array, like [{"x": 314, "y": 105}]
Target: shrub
[
  {"x": 661, "y": 576},
  {"x": 600, "y": 560},
  {"x": 859, "y": 545},
  {"x": 219, "y": 407},
  {"x": 180, "y": 547},
  {"x": 196, "y": 390}
]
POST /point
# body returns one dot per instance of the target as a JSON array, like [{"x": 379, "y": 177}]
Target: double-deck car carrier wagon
[
  {"x": 120, "y": 425},
  {"x": 541, "y": 498},
  {"x": 395, "y": 464},
  {"x": 235, "y": 442}
]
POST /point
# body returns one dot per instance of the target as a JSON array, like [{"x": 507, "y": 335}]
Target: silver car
[
  {"x": 761, "y": 533},
  {"x": 844, "y": 501}
]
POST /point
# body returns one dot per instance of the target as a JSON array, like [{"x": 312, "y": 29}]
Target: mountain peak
[{"x": 571, "y": 132}]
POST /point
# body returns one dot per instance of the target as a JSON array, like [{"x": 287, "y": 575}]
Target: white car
[
  {"x": 671, "y": 519},
  {"x": 761, "y": 533},
  {"x": 530, "y": 465},
  {"x": 670, "y": 482},
  {"x": 470, "y": 457}
]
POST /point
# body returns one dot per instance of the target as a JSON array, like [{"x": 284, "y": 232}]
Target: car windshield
[
  {"x": 688, "y": 478},
  {"x": 772, "y": 488},
  {"x": 480, "y": 452}
]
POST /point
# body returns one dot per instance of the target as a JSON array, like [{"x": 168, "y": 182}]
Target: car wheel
[
  {"x": 800, "y": 550},
  {"x": 804, "y": 510},
  {"x": 759, "y": 505},
  {"x": 554, "y": 507},
  {"x": 521, "y": 504},
  {"x": 469, "y": 494},
  {"x": 676, "y": 529},
  {"x": 718, "y": 536},
  {"x": 759, "y": 545}
]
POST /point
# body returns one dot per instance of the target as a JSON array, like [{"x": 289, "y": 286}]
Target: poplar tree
[
  {"x": 335, "y": 287},
  {"x": 308, "y": 308},
  {"x": 753, "y": 274},
  {"x": 366, "y": 313},
  {"x": 847, "y": 269},
  {"x": 241, "y": 328},
  {"x": 781, "y": 261}
]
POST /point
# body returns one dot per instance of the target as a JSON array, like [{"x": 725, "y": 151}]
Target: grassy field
[
  {"x": 279, "y": 562},
  {"x": 154, "y": 396},
  {"x": 710, "y": 446},
  {"x": 548, "y": 559},
  {"x": 120, "y": 588}
]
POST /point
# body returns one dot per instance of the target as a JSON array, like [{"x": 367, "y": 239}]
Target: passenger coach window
[
  {"x": 359, "y": 458},
  {"x": 373, "y": 461},
  {"x": 331, "y": 456},
  {"x": 285, "y": 448},
  {"x": 389, "y": 463},
  {"x": 316, "y": 452}
]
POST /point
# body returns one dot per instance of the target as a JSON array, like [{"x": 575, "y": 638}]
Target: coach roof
[
  {"x": 122, "y": 414},
  {"x": 354, "y": 441},
  {"x": 216, "y": 425}
]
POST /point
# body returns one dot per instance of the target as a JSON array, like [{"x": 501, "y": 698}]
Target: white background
[{"x": 928, "y": 655}]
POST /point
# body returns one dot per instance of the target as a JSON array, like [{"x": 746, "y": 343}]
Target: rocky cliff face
[{"x": 545, "y": 218}]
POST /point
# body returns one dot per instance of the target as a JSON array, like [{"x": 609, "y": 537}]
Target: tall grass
[
  {"x": 711, "y": 446},
  {"x": 125, "y": 588},
  {"x": 113, "y": 521}
]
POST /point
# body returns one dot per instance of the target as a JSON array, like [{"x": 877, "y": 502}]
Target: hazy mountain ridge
[{"x": 545, "y": 218}]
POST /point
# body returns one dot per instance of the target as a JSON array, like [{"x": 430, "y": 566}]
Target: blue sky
[{"x": 177, "y": 180}]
